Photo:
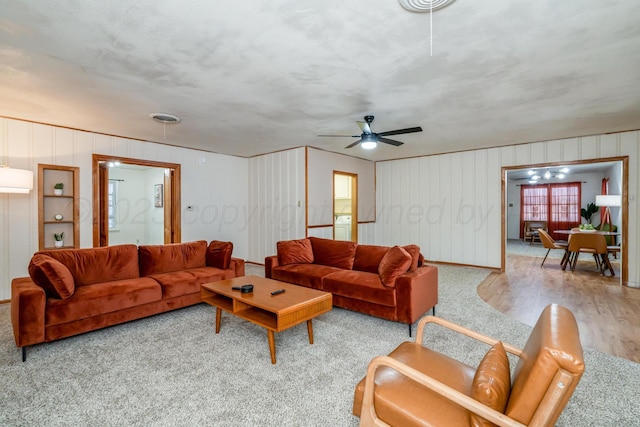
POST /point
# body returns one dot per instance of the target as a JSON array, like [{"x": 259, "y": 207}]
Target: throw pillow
[
  {"x": 52, "y": 276},
  {"x": 219, "y": 254},
  {"x": 295, "y": 252},
  {"x": 333, "y": 253},
  {"x": 414, "y": 251},
  {"x": 492, "y": 383},
  {"x": 395, "y": 262}
]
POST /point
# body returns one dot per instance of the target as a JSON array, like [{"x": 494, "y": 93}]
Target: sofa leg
[
  {"x": 24, "y": 353},
  {"x": 434, "y": 310},
  {"x": 409, "y": 330}
]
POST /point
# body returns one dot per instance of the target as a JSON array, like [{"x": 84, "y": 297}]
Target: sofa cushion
[
  {"x": 96, "y": 265},
  {"x": 294, "y": 252},
  {"x": 334, "y": 253},
  {"x": 359, "y": 285},
  {"x": 94, "y": 300},
  {"x": 492, "y": 383},
  {"x": 219, "y": 254},
  {"x": 157, "y": 259},
  {"x": 309, "y": 275},
  {"x": 395, "y": 262},
  {"x": 368, "y": 257},
  {"x": 414, "y": 251},
  {"x": 52, "y": 276},
  {"x": 178, "y": 283}
]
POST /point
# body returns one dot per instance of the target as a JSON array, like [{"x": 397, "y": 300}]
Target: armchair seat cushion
[
  {"x": 101, "y": 298},
  {"x": 361, "y": 286},
  {"x": 394, "y": 392}
]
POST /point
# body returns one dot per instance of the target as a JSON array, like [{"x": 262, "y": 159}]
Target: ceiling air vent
[
  {"x": 165, "y": 118},
  {"x": 424, "y": 5}
]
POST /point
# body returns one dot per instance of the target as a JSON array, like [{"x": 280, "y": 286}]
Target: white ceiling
[{"x": 252, "y": 77}]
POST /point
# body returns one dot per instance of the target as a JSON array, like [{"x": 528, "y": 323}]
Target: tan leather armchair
[{"x": 416, "y": 386}]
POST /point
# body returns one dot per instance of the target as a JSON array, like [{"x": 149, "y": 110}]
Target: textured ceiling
[{"x": 253, "y": 77}]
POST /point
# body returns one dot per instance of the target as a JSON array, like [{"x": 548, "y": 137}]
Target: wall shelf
[{"x": 67, "y": 205}]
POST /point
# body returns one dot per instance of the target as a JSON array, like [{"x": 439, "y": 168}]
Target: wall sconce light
[{"x": 15, "y": 180}]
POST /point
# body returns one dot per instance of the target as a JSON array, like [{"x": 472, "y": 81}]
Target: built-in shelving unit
[{"x": 58, "y": 213}]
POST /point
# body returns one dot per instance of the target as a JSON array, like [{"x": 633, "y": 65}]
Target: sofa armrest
[
  {"x": 269, "y": 263},
  {"x": 237, "y": 265},
  {"x": 416, "y": 293},
  {"x": 28, "y": 303}
]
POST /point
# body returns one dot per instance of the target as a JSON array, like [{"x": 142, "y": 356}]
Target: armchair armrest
[
  {"x": 28, "y": 303},
  {"x": 463, "y": 331},
  {"x": 269, "y": 263},
  {"x": 416, "y": 293},
  {"x": 369, "y": 417}
]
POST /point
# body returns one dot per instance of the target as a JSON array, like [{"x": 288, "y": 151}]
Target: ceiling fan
[{"x": 370, "y": 139}]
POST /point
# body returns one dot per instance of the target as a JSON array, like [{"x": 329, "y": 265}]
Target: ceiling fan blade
[
  {"x": 354, "y": 144},
  {"x": 401, "y": 131},
  {"x": 390, "y": 141},
  {"x": 341, "y": 136},
  {"x": 365, "y": 127}
]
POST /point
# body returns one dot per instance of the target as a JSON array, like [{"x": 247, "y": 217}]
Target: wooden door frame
[
  {"x": 624, "y": 229},
  {"x": 172, "y": 197}
]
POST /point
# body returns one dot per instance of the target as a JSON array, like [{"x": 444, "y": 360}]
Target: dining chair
[
  {"x": 549, "y": 243},
  {"x": 592, "y": 243}
]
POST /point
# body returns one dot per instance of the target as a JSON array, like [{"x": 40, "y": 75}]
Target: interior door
[{"x": 345, "y": 202}]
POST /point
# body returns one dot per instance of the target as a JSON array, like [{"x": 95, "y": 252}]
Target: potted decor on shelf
[
  {"x": 589, "y": 211},
  {"x": 59, "y": 239},
  {"x": 57, "y": 189}
]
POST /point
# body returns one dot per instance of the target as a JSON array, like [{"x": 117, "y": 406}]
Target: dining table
[{"x": 571, "y": 255}]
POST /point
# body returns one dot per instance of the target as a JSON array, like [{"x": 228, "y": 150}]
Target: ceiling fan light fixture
[
  {"x": 369, "y": 145},
  {"x": 369, "y": 141}
]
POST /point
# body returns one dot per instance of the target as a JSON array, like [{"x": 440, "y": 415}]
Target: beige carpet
[{"x": 172, "y": 369}]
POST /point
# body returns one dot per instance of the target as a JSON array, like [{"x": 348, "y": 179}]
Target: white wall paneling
[
  {"x": 276, "y": 201},
  {"x": 321, "y": 165},
  {"x": 221, "y": 183}
]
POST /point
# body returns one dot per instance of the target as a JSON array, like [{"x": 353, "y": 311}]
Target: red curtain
[
  {"x": 565, "y": 206},
  {"x": 534, "y": 204},
  {"x": 603, "y": 210},
  {"x": 558, "y": 204}
]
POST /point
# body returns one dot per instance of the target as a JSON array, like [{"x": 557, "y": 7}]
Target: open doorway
[
  {"x": 589, "y": 174},
  {"x": 345, "y": 206},
  {"x": 157, "y": 202}
]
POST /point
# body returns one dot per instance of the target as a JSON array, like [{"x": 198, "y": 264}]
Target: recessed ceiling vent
[
  {"x": 165, "y": 118},
  {"x": 424, "y": 5}
]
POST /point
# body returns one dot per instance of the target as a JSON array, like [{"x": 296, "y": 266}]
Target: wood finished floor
[{"x": 608, "y": 313}]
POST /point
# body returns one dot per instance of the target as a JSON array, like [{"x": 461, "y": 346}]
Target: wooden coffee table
[{"x": 273, "y": 312}]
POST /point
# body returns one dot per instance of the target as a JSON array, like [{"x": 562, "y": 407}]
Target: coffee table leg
[
  {"x": 218, "y": 318},
  {"x": 310, "y": 331},
  {"x": 272, "y": 345}
]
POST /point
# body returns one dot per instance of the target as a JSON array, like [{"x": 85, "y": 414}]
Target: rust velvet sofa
[
  {"x": 388, "y": 282},
  {"x": 72, "y": 291}
]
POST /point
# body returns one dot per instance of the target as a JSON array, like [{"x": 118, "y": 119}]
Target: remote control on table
[{"x": 279, "y": 291}]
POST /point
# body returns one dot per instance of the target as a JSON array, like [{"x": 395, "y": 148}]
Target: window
[
  {"x": 112, "y": 205},
  {"x": 558, "y": 204}
]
